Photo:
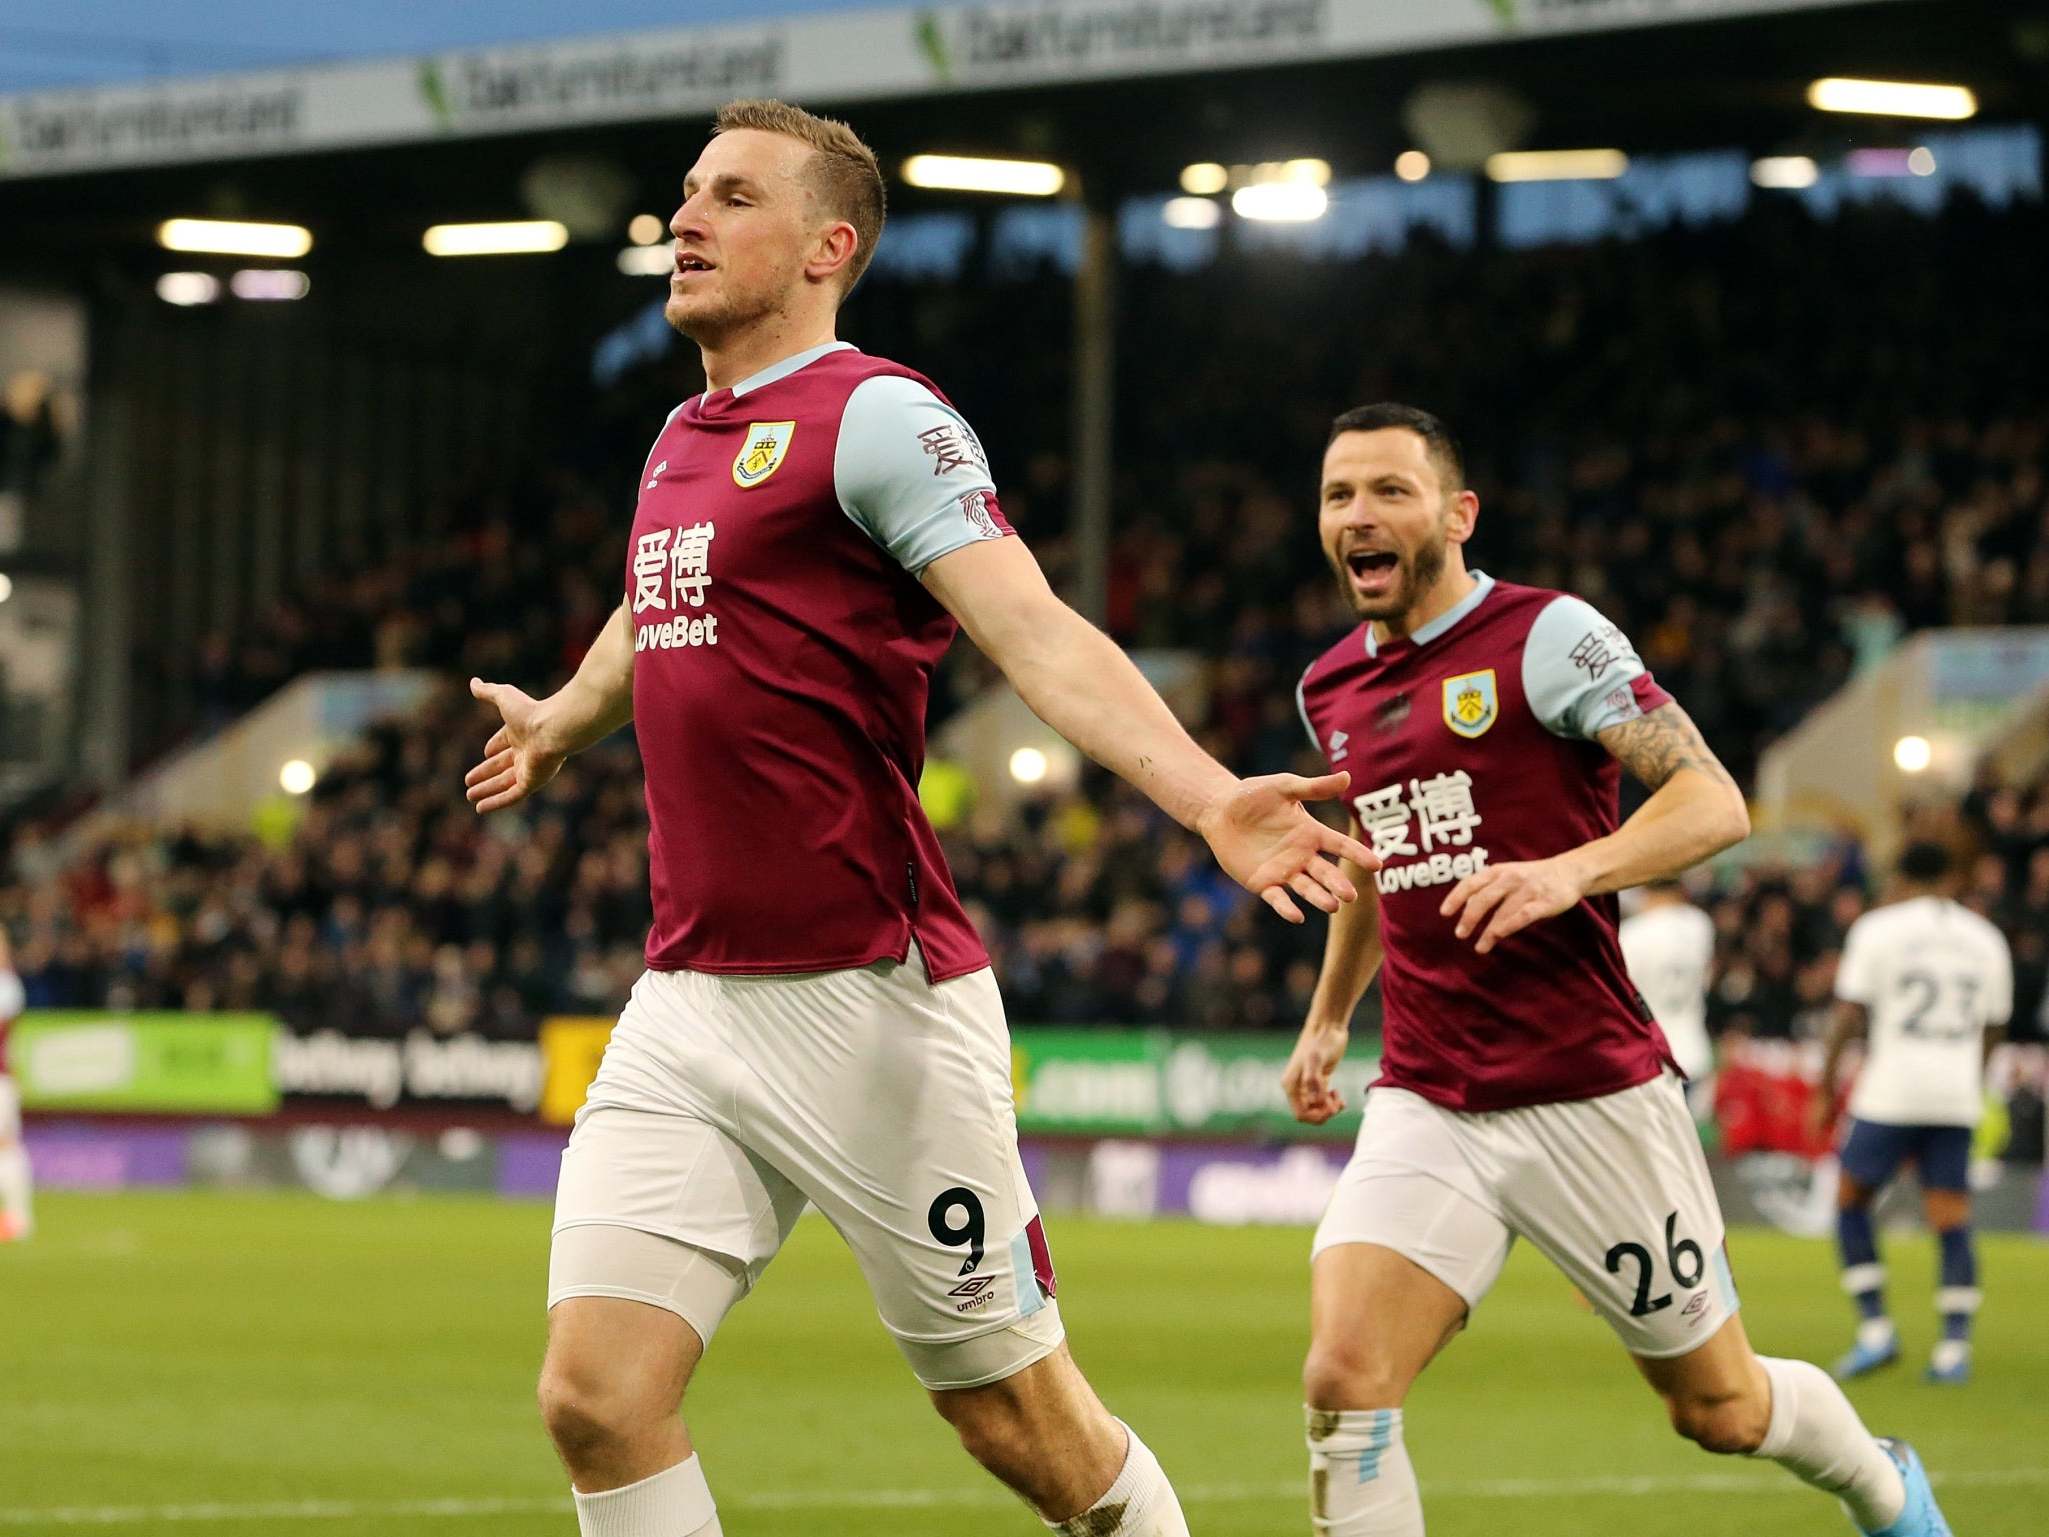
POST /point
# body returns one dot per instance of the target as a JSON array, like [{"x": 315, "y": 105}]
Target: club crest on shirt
[
  {"x": 1470, "y": 704},
  {"x": 762, "y": 453}
]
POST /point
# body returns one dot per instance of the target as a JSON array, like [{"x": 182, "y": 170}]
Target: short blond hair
[{"x": 845, "y": 174}]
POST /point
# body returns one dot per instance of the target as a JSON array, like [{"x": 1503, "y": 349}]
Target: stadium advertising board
[
  {"x": 1227, "y": 1184},
  {"x": 571, "y": 1047},
  {"x": 167, "y": 1063},
  {"x": 1223, "y": 1182},
  {"x": 818, "y": 59},
  {"x": 101, "y": 1156},
  {"x": 419, "y": 1069},
  {"x": 1152, "y": 1083},
  {"x": 1078, "y": 1082},
  {"x": 252, "y": 1064}
]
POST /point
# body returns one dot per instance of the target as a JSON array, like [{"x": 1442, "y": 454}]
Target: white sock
[
  {"x": 1361, "y": 1483},
  {"x": 1816, "y": 1436},
  {"x": 1139, "y": 1503},
  {"x": 675, "y": 1502},
  {"x": 15, "y": 1188}
]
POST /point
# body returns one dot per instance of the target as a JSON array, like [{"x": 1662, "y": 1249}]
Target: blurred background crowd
[{"x": 1768, "y": 449}]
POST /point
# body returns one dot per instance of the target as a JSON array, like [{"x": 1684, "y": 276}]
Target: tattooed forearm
[
  {"x": 1689, "y": 816},
  {"x": 1656, "y": 746}
]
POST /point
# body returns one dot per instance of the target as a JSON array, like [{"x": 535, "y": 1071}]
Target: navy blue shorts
[{"x": 1874, "y": 1151}]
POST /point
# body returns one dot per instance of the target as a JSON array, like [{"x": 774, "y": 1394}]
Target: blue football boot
[
  {"x": 1950, "y": 1364},
  {"x": 1878, "y": 1344},
  {"x": 1921, "y": 1516}
]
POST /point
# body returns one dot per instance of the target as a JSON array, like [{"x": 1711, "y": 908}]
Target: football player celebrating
[
  {"x": 1525, "y": 1088},
  {"x": 818, "y": 1023}
]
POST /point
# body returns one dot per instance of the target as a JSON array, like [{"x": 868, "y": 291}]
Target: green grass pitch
[{"x": 268, "y": 1365}]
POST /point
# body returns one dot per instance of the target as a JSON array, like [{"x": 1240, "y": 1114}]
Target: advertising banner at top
[{"x": 815, "y": 59}]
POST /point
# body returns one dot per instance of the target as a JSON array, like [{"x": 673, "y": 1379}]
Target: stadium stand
[
  {"x": 1764, "y": 448},
  {"x": 389, "y": 907}
]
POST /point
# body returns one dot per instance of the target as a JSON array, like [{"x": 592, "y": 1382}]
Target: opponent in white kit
[
  {"x": 818, "y": 1022},
  {"x": 17, "y": 1216},
  {"x": 1929, "y": 984},
  {"x": 1526, "y": 1090},
  {"x": 1668, "y": 945}
]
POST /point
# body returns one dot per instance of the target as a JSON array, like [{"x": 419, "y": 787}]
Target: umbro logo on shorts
[{"x": 975, "y": 1291}]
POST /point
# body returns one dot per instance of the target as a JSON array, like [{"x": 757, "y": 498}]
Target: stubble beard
[
  {"x": 1414, "y": 576},
  {"x": 708, "y": 325}
]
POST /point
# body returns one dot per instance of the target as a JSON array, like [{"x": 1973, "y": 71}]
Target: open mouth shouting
[{"x": 1373, "y": 572}]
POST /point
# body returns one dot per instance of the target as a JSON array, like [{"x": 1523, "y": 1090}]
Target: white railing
[
  {"x": 1917, "y": 724},
  {"x": 219, "y": 783}
]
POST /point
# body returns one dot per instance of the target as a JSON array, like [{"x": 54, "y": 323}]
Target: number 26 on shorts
[{"x": 1683, "y": 1260}]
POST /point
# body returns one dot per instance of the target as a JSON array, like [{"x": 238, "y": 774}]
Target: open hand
[
  {"x": 518, "y": 760},
  {"x": 1509, "y": 898},
  {"x": 1269, "y": 845}
]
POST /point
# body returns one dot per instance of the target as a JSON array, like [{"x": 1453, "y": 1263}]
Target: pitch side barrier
[{"x": 1120, "y": 1122}]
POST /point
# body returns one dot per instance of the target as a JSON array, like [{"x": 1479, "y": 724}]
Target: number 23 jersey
[
  {"x": 1470, "y": 744},
  {"x": 1934, "y": 975}
]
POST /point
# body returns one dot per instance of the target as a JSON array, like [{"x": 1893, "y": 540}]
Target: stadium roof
[{"x": 124, "y": 42}]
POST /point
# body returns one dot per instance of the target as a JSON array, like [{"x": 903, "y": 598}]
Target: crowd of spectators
[
  {"x": 383, "y": 905},
  {"x": 388, "y": 905},
  {"x": 1767, "y": 450},
  {"x": 1780, "y": 929},
  {"x": 511, "y": 590}
]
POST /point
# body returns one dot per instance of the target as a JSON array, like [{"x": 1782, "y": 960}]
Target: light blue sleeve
[
  {"x": 911, "y": 473},
  {"x": 1578, "y": 670}
]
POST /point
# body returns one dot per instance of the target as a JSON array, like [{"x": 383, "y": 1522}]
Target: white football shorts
[
  {"x": 10, "y": 1110},
  {"x": 1614, "y": 1191},
  {"x": 726, "y": 1103}
]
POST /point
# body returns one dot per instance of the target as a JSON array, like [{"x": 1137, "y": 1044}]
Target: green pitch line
[{"x": 272, "y": 1365}]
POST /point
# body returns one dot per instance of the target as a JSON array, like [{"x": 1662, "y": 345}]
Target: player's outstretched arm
[
  {"x": 1695, "y": 810},
  {"x": 1351, "y": 957},
  {"x": 528, "y": 749},
  {"x": 1077, "y": 680}
]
